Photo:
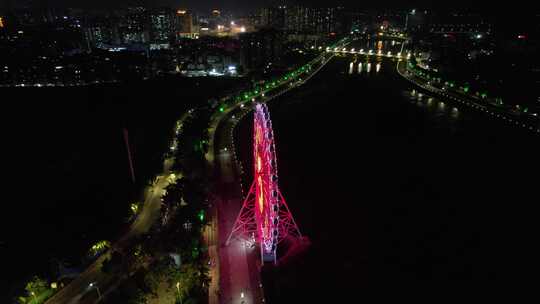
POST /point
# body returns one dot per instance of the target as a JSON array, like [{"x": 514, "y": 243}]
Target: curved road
[
  {"x": 79, "y": 291},
  {"x": 237, "y": 266}
]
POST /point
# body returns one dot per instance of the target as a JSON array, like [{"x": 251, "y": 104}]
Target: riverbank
[{"x": 524, "y": 120}]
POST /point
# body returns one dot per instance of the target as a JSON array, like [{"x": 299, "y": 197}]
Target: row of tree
[
  {"x": 37, "y": 290},
  {"x": 172, "y": 253}
]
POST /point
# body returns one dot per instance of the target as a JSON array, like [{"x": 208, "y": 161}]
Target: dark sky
[
  {"x": 246, "y": 5},
  {"x": 191, "y": 4}
]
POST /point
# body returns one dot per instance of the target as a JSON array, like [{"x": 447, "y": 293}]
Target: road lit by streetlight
[{"x": 97, "y": 289}]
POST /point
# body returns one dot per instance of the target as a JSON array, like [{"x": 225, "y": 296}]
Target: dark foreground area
[{"x": 67, "y": 172}]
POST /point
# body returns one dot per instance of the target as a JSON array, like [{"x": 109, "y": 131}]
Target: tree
[
  {"x": 98, "y": 248},
  {"x": 161, "y": 270},
  {"x": 36, "y": 286},
  {"x": 413, "y": 61},
  {"x": 37, "y": 290},
  {"x": 174, "y": 192},
  {"x": 113, "y": 263},
  {"x": 192, "y": 281},
  {"x": 128, "y": 292}
]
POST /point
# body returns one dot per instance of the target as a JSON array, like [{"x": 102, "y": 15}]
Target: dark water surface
[{"x": 396, "y": 191}]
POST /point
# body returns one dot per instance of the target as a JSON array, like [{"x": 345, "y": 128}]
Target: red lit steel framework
[{"x": 265, "y": 217}]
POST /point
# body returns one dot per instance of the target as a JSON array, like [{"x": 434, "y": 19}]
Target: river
[{"x": 394, "y": 190}]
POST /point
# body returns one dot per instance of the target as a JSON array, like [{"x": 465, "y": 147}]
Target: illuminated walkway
[
  {"x": 238, "y": 271},
  {"x": 466, "y": 101}
]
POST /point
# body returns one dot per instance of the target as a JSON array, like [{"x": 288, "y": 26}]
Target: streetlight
[
  {"x": 412, "y": 12},
  {"x": 178, "y": 288},
  {"x": 35, "y": 297},
  {"x": 97, "y": 288}
]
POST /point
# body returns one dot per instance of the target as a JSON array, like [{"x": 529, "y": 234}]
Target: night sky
[{"x": 247, "y": 5}]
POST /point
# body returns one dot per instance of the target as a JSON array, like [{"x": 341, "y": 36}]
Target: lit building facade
[
  {"x": 132, "y": 26},
  {"x": 161, "y": 26},
  {"x": 260, "y": 48},
  {"x": 299, "y": 19},
  {"x": 184, "y": 24}
]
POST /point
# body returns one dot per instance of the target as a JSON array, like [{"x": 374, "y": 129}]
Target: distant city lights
[
  {"x": 181, "y": 12},
  {"x": 1, "y": 22},
  {"x": 214, "y": 72}
]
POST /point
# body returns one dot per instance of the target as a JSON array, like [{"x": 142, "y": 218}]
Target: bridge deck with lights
[{"x": 398, "y": 55}]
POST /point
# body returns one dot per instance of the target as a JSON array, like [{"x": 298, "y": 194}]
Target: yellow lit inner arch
[{"x": 261, "y": 195}]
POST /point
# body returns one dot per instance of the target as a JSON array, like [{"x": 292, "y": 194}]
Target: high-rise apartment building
[{"x": 161, "y": 26}]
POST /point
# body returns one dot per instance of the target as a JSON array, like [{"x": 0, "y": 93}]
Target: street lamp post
[
  {"x": 35, "y": 297},
  {"x": 178, "y": 289},
  {"x": 97, "y": 288},
  {"x": 413, "y": 12}
]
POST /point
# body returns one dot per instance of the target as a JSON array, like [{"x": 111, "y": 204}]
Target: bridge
[
  {"x": 469, "y": 29},
  {"x": 370, "y": 52}
]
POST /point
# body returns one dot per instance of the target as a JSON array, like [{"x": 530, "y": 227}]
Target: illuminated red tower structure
[{"x": 265, "y": 217}]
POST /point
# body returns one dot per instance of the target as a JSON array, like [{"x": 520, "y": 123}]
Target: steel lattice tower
[{"x": 265, "y": 217}]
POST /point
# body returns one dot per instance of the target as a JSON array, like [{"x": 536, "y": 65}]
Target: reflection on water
[
  {"x": 455, "y": 113},
  {"x": 442, "y": 106},
  {"x": 363, "y": 67},
  {"x": 437, "y": 109}
]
